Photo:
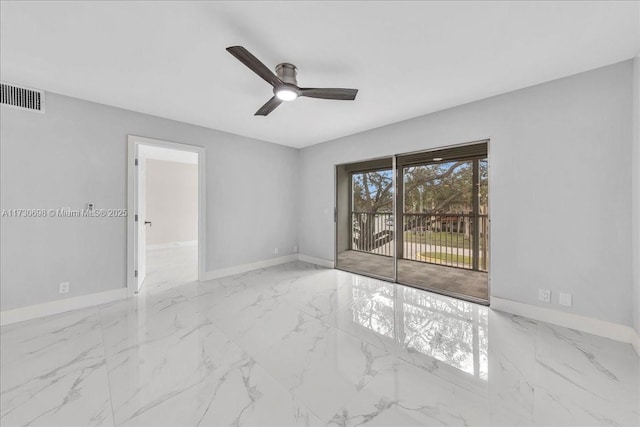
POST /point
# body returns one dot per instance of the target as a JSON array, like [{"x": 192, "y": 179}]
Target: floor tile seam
[
  {"x": 40, "y": 335},
  {"x": 328, "y": 324},
  {"x": 366, "y": 340},
  {"x": 241, "y": 346},
  {"x": 106, "y": 368},
  {"x": 408, "y": 361},
  {"x": 360, "y": 338},
  {"x": 74, "y": 369},
  {"x": 281, "y": 385},
  {"x": 284, "y": 386},
  {"x": 385, "y": 352},
  {"x": 189, "y": 300},
  {"x": 346, "y": 405},
  {"x": 337, "y": 328},
  {"x": 218, "y": 330},
  {"x": 77, "y": 365},
  {"x": 38, "y": 320},
  {"x": 401, "y": 358},
  {"x": 258, "y": 363},
  {"x": 536, "y": 370},
  {"x": 396, "y": 404}
]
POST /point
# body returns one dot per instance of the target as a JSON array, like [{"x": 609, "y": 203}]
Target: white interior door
[{"x": 141, "y": 233}]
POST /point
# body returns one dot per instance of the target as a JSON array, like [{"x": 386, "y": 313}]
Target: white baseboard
[
  {"x": 8, "y": 317},
  {"x": 590, "y": 325},
  {"x": 318, "y": 261},
  {"x": 243, "y": 268},
  {"x": 173, "y": 245}
]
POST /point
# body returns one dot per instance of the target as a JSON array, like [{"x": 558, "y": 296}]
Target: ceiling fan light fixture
[
  {"x": 286, "y": 94},
  {"x": 284, "y": 82}
]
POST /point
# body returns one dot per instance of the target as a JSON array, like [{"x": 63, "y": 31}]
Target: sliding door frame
[
  {"x": 350, "y": 207},
  {"x": 398, "y": 223}
]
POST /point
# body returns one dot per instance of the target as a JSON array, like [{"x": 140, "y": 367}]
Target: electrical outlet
[
  {"x": 295, "y": 249},
  {"x": 63, "y": 288},
  {"x": 544, "y": 295},
  {"x": 275, "y": 251},
  {"x": 565, "y": 299}
]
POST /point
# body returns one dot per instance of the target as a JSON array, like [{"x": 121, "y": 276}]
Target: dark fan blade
[
  {"x": 254, "y": 63},
  {"x": 343, "y": 94},
  {"x": 268, "y": 107}
]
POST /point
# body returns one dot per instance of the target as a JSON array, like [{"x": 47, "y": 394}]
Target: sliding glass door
[
  {"x": 444, "y": 225},
  {"x": 365, "y": 226},
  {"x": 420, "y": 219}
]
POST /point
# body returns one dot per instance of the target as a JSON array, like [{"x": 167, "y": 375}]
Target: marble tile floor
[
  {"x": 300, "y": 345},
  {"x": 170, "y": 266}
]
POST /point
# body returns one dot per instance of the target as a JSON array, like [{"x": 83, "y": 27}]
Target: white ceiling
[{"x": 407, "y": 58}]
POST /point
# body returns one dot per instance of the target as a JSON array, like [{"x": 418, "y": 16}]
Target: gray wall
[
  {"x": 636, "y": 194},
  {"x": 560, "y": 186},
  {"x": 171, "y": 201},
  {"x": 77, "y": 153},
  {"x": 560, "y": 174}
]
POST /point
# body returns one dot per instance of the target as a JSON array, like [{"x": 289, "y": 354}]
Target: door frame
[
  {"x": 350, "y": 207},
  {"x": 133, "y": 141},
  {"x": 396, "y": 179}
]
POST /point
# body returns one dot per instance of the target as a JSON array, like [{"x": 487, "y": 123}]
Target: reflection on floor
[
  {"x": 297, "y": 345},
  {"x": 169, "y": 266},
  {"x": 437, "y": 277}
]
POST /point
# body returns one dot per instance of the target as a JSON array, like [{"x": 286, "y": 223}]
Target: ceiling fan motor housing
[
  {"x": 287, "y": 73},
  {"x": 284, "y": 82}
]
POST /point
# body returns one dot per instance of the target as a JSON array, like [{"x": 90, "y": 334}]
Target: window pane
[{"x": 438, "y": 188}]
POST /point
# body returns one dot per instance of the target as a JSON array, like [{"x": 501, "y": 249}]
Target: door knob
[{"x": 147, "y": 222}]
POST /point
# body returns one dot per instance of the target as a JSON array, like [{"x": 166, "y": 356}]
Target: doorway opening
[
  {"x": 419, "y": 219},
  {"x": 166, "y": 214}
]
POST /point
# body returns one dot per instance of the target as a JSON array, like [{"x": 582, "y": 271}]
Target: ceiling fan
[{"x": 285, "y": 85}]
